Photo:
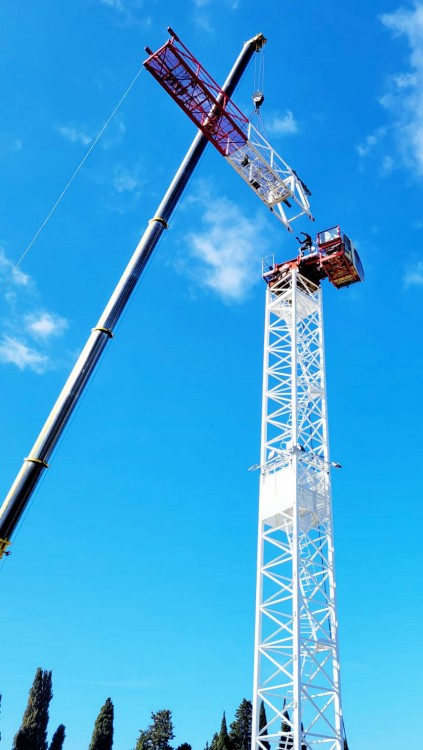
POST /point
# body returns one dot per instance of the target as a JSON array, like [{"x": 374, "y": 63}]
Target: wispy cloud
[
  {"x": 282, "y": 124},
  {"x": 75, "y": 134},
  {"x": 128, "y": 12},
  {"x": 413, "y": 275},
  {"x": 404, "y": 98},
  {"x": 202, "y": 15},
  {"x": 84, "y": 135},
  {"x": 10, "y": 142},
  {"x": 114, "y": 134},
  {"x": 125, "y": 180},
  {"x": 223, "y": 253},
  {"x": 27, "y": 330},
  {"x": 17, "y": 353},
  {"x": 45, "y": 325},
  {"x": 7, "y": 268},
  {"x": 370, "y": 142}
]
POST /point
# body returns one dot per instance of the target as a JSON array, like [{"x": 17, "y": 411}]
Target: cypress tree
[
  {"x": 102, "y": 738},
  {"x": 215, "y": 740},
  {"x": 240, "y": 729},
  {"x": 287, "y": 740},
  {"x": 263, "y": 726},
  {"x": 58, "y": 738},
  {"x": 32, "y": 734},
  {"x": 223, "y": 742}
]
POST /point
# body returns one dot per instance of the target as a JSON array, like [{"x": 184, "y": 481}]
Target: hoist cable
[{"x": 71, "y": 179}]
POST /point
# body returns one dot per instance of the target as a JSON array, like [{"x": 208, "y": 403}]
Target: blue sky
[{"x": 133, "y": 573}]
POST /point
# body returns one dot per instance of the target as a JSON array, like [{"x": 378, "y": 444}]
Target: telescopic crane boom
[{"x": 38, "y": 458}]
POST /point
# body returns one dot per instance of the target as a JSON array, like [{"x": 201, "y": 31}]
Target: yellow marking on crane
[
  {"x": 34, "y": 460},
  {"x": 160, "y": 220},
  {"x": 107, "y": 331},
  {"x": 4, "y": 544}
]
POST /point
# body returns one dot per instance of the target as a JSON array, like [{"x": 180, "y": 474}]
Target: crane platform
[{"x": 333, "y": 257}]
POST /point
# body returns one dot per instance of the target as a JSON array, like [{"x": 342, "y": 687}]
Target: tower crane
[
  {"x": 37, "y": 460},
  {"x": 296, "y": 655}
]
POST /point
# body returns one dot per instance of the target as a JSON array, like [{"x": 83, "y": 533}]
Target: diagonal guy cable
[{"x": 69, "y": 183}]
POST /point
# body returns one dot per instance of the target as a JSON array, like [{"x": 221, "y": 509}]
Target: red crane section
[
  {"x": 333, "y": 257},
  {"x": 198, "y": 94}
]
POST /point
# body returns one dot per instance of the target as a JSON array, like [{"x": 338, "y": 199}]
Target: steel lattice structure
[
  {"x": 296, "y": 666},
  {"x": 229, "y": 130}
]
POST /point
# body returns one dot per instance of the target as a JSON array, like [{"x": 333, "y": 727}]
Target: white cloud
[
  {"x": 45, "y": 325},
  {"x": 405, "y": 96},
  {"x": 75, "y": 135},
  {"x": 17, "y": 353},
  {"x": 225, "y": 251},
  {"x": 125, "y": 180},
  {"x": 282, "y": 124},
  {"x": 8, "y": 269},
  {"x": 23, "y": 323},
  {"x": 371, "y": 141},
  {"x": 128, "y": 12},
  {"x": 117, "y": 5},
  {"x": 414, "y": 276},
  {"x": 387, "y": 166},
  {"x": 115, "y": 133},
  {"x": 202, "y": 15},
  {"x": 17, "y": 145}
]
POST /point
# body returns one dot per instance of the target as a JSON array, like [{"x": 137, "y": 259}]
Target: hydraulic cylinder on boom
[{"x": 39, "y": 456}]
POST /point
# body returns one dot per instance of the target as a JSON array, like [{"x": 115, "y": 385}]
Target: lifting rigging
[{"x": 229, "y": 130}]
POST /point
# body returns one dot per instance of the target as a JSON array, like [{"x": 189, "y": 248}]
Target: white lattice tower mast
[{"x": 296, "y": 665}]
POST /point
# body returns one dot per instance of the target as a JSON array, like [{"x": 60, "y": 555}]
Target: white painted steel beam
[{"x": 296, "y": 664}]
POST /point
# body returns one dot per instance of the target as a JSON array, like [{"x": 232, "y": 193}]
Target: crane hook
[{"x": 258, "y": 99}]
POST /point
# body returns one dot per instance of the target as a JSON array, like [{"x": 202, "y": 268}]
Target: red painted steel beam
[{"x": 198, "y": 95}]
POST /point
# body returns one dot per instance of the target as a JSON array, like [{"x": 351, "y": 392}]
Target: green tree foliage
[
  {"x": 184, "y": 746},
  {"x": 223, "y": 741},
  {"x": 161, "y": 730},
  {"x": 143, "y": 741},
  {"x": 240, "y": 729},
  {"x": 215, "y": 740},
  {"x": 287, "y": 739},
  {"x": 102, "y": 738},
  {"x": 159, "y": 733},
  {"x": 32, "y": 734},
  {"x": 58, "y": 738},
  {"x": 263, "y": 725}
]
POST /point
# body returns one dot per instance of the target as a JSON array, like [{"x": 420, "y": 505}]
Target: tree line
[{"x": 32, "y": 734}]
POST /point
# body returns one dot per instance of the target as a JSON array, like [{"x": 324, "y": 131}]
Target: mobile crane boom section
[
  {"x": 34, "y": 465},
  {"x": 229, "y": 130}
]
